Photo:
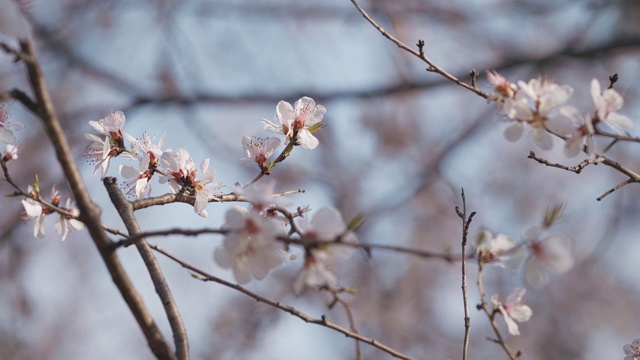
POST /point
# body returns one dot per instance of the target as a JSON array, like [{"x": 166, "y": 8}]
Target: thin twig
[
  {"x": 466, "y": 222},
  {"x": 204, "y": 276},
  {"x": 576, "y": 169},
  {"x": 419, "y": 54},
  {"x": 628, "y": 181}
]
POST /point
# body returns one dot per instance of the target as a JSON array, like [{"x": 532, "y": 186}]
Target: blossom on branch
[
  {"x": 182, "y": 178},
  {"x": 513, "y": 310},
  {"x": 534, "y": 104},
  {"x": 11, "y": 153},
  {"x": 632, "y": 350},
  {"x": 327, "y": 228},
  {"x": 607, "y": 103},
  {"x": 261, "y": 195},
  {"x": 494, "y": 250},
  {"x": 503, "y": 89},
  {"x": 582, "y": 134},
  {"x": 250, "y": 247},
  {"x": 7, "y": 127},
  {"x": 297, "y": 122},
  {"x": 139, "y": 179},
  {"x": 35, "y": 210},
  {"x": 258, "y": 150},
  {"x": 102, "y": 150},
  {"x": 65, "y": 224}
]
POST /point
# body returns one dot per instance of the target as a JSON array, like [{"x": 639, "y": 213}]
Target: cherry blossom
[
  {"x": 111, "y": 125},
  {"x": 581, "y": 135},
  {"x": 182, "y": 177},
  {"x": 533, "y": 104},
  {"x": 7, "y": 127},
  {"x": 326, "y": 226},
  {"x": 102, "y": 150},
  {"x": 139, "y": 179},
  {"x": 258, "y": 150},
  {"x": 11, "y": 152},
  {"x": 145, "y": 146},
  {"x": 261, "y": 195},
  {"x": 607, "y": 103},
  {"x": 494, "y": 250},
  {"x": 513, "y": 310},
  {"x": 250, "y": 248},
  {"x": 502, "y": 88},
  {"x": 35, "y": 210},
  {"x": 550, "y": 254},
  {"x": 632, "y": 350},
  {"x": 65, "y": 224},
  {"x": 296, "y": 121}
]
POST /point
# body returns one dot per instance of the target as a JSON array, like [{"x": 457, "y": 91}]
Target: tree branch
[{"x": 125, "y": 210}]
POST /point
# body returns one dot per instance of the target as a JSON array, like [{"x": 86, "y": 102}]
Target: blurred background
[{"x": 400, "y": 144}]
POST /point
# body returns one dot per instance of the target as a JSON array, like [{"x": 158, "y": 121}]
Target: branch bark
[{"x": 125, "y": 210}]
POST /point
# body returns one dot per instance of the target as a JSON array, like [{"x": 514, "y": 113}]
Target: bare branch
[
  {"x": 419, "y": 54},
  {"x": 466, "y": 222}
]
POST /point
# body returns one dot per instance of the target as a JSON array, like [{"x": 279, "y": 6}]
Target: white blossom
[
  {"x": 297, "y": 119},
  {"x": 249, "y": 248},
  {"x": 513, "y": 310},
  {"x": 327, "y": 226}
]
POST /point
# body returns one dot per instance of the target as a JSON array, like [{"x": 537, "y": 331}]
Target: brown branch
[
  {"x": 466, "y": 222},
  {"x": 628, "y": 181},
  {"x": 204, "y": 276},
  {"x": 125, "y": 210},
  {"x": 181, "y": 198},
  {"x": 576, "y": 169},
  {"x": 89, "y": 212},
  {"x": 21, "y": 97}
]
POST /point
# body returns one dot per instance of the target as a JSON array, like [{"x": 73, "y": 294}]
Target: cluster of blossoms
[
  {"x": 546, "y": 253},
  {"x": 34, "y": 207},
  {"x": 173, "y": 167},
  {"x": 540, "y": 104},
  {"x": 37, "y": 210},
  {"x": 254, "y": 242}
]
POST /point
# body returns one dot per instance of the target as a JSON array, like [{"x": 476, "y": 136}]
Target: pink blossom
[
  {"x": 296, "y": 121},
  {"x": 513, "y": 310},
  {"x": 534, "y": 104},
  {"x": 326, "y": 226},
  {"x": 258, "y": 150},
  {"x": 607, "y": 104},
  {"x": 494, "y": 250},
  {"x": 182, "y": 177},
  {"x": 550, "y": 254},
  {"x": 250, "y": 247}
]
